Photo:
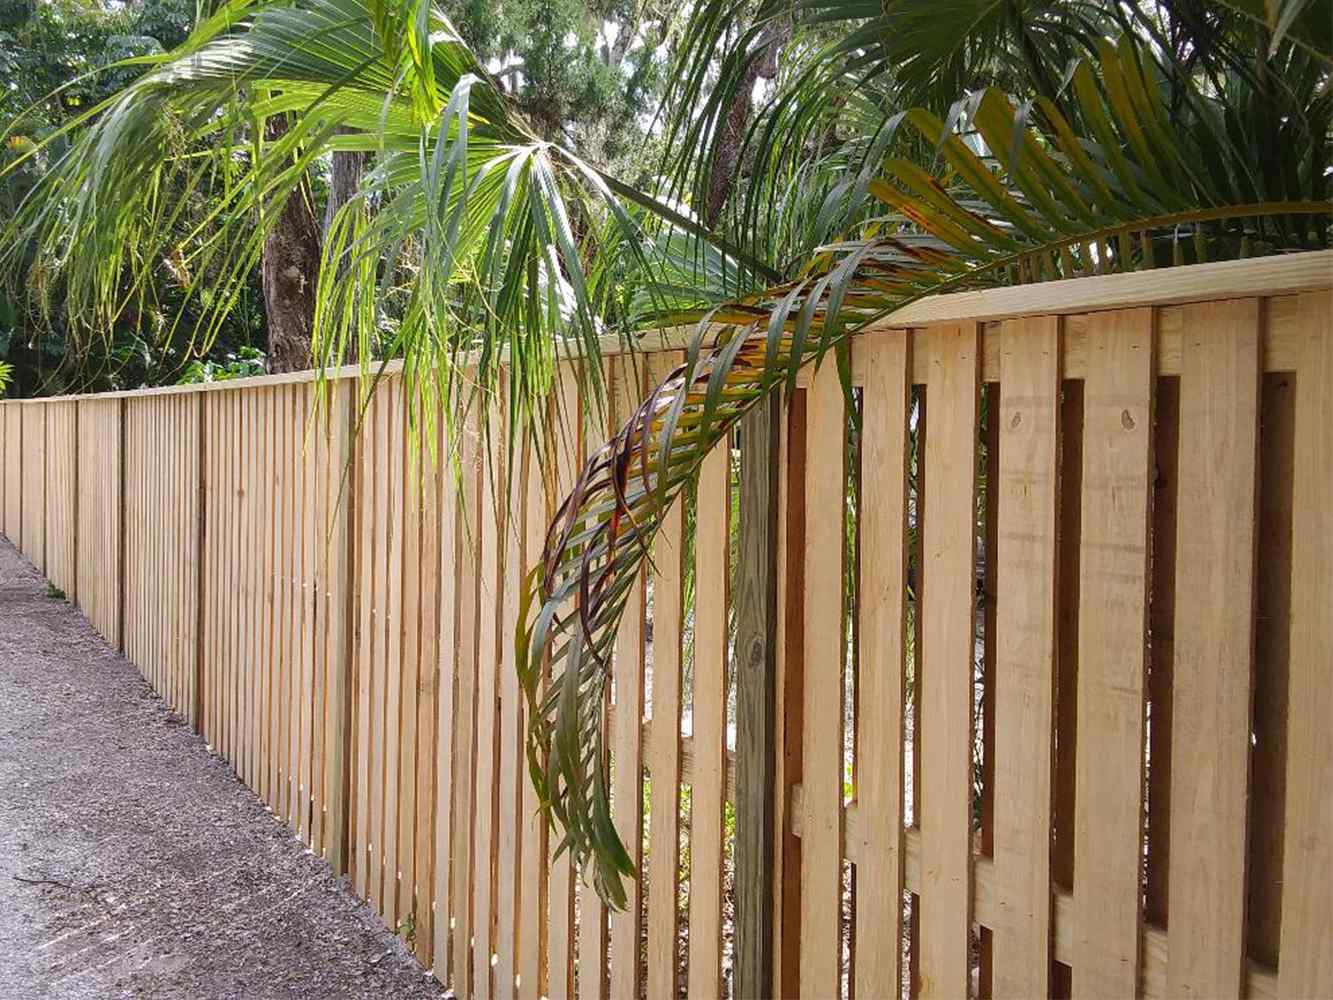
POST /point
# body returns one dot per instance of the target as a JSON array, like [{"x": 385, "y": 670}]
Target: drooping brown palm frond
[{"x": 1024, "y": 194}]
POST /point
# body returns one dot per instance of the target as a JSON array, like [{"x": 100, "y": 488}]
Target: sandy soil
[{"x": 132, "y": 862}]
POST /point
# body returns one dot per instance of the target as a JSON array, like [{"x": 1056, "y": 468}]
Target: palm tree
[{"x": 866, "y": 182}]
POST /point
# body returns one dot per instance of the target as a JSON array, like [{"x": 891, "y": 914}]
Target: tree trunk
[
  {"x": 290, "y": 271},
  {"x": 344, "y": 179},
  {"x": 727, "y": 159}
]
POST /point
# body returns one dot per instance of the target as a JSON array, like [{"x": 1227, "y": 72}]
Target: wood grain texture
[
  {"x": 1113, "y": 591},
  {"x": 1214, "y": 645},
  {"x": 534, "y": 874},
  {"x": 756, "y": 608},
  {"x": 1025, "y": 640},
  {"x": 882, "y": 675},
  {"x": 663, "y": 745},
  {"x": 465, "y": 709},
  {"x": 625, "y": 975},
  {"x": 788, "y": 725},
  {"x": 1305, "y": 964},
  {"x": 592, "y": 910},
  {"x": 447, "y": 776},
  {"x": 1260, "y": 979},
  {"x": 821, "y": 847},
  {"x": 712, "y": 560},
  {"x": 948, "y": 610},
  {"x": 567, "y": 444},
  {"x": 511, "y": 761},
  {"x": 487, "y": 800}
]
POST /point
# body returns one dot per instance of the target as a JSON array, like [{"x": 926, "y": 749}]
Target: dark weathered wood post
[{"x": 756, "y": 707}]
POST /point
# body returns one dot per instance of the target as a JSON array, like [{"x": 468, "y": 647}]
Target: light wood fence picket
[{"x": 1053, "y": 651}]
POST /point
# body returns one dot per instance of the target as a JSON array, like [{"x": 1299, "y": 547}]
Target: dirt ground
[{"x": 132, "y": 862}]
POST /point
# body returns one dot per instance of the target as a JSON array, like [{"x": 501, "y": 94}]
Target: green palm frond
[
  {"x": 469, "y": 233},
  {"x": 1021, "y": 194}
]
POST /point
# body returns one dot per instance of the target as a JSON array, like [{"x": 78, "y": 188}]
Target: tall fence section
[{"x": 1043, "y": 671}]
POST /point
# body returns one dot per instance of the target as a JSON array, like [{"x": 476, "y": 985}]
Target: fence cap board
[
  {"x": 1282, "y": 274},
  {"x": 1258, "y": 276}
]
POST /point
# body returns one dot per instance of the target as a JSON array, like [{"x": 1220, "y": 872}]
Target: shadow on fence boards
[{"x": 1021, "y": 688}]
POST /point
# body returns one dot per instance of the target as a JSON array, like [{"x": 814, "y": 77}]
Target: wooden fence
[{"x": 1033, "y": 697}]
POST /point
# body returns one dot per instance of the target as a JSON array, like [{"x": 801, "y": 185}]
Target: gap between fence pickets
[
  {"x": 1283, "y": 274},
  {"x": 1261, "y": 981}
]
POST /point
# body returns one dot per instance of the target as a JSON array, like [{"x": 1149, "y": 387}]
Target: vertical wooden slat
[
  {"x": 235, "y": 600},
  {"x": 33, "y": 537},
  {"x": 568, "y": 448},
  {"x": 267, "y": 612},
  {"x": 429, "y": 679},
  {"x": 1113, "y": 592},
  {"x": 5, "y": 478},
  {"x": 407, "y": 621},
  {"x": 712, "y": 559},
  {"x": 452, "y": 584},
  {"x": 209, "y": 444},
  {"x": 790, "y": 728},
  {"x": 592, "y": 911},
  {"x": 367, "y": 454},
  {"x": 317, "y": 447},
  {"x": 1025, "y": 625},
  {"x": 627, "y": 733},
  {"x": 664, "y": 746},
  {"x": 291, "y": 683},
  {"x": 337, "y": 773},
  {"x": 393, "y": 661},
  {"x": 266, "y": 517},
  {"x": 756, "y": 699},
  {"x": 493, "y": 529},
  {"x": 945, "y": 687},
  {"x": 822, "y": 840},
  {"x": 881, "y": 672},
  {"x": 13, "y": 429},
  {"x": 231, "y": 418},
  {"x": 219, "y": 555},
  {"x": 512, "y": 772},
  {"x": 309, "y": 531},
  {"x": 420, "y": 627},
  {"x": 1214, "y": 644},
  {"x": 379, "y": 666},
  {"x": 199, "y": 597},
  {"x": 469, "y": 663},
  {"x": 1305, "y": 963},
  {"x": 282, "y": 603},
  {"x": 533, "y": 884}
]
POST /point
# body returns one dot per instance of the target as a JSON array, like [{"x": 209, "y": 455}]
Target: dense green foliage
[
  {"x": 589, "y": 74},
  {"x": 61, "y": 59}
]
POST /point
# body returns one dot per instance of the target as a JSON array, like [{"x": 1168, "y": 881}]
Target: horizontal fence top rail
[{"x": 1261, "y": 276}]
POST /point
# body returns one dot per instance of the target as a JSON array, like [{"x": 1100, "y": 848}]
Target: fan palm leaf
[{"x": 470, "y": 233}]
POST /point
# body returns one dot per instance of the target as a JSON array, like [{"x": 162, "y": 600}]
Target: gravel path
[{"x": 132, "y": 862}]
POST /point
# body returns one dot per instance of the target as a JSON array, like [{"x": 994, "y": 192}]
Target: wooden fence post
[
  {"x": 756, "y": 689},
  {"x": 74, "y": 508},
  {"x": 120, "y": 527},
  {"x": 342, "y": 408},
  {"x": 200, "y": 542}
]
